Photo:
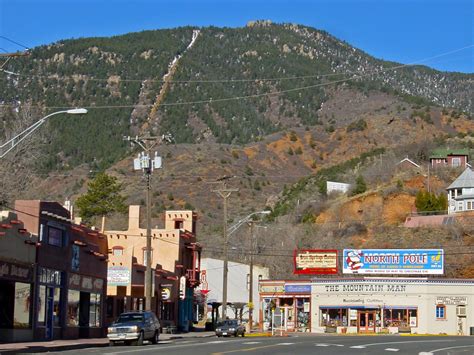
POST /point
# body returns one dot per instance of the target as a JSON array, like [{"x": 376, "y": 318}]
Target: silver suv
[{"x": 134, "y": 327}]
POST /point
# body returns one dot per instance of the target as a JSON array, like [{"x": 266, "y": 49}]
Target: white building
[
  {"x": 337, "y": 186},
  {"x": 461, "y": 193},
  {"x": 394, "y": 305},
  {"x": 237, "y": 284}
]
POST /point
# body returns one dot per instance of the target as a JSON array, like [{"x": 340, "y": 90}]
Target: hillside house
[
  {"x": 461, "y": 193},
  {"x": 452, "y": 158},
  {"x": 337, "y": 187},
  {"x": 407, "y": 164}
]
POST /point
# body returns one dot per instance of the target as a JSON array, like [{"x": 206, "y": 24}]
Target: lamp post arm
[
  {"x": 6, "y": 147},
  {"x": 237, "y": 225}
]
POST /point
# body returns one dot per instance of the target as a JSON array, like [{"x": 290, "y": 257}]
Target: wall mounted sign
[
  {"x": 315, "y": 262},
  {"x": 393, "y": 261}
]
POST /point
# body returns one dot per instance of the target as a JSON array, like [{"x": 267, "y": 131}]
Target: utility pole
[
  {"x": 225, "y": 192},
  {"x": 147, "y": 164},
  {"x": 252, "y": 249}
]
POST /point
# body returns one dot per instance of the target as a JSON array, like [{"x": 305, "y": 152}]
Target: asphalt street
[{"x": 358, "y": 345}]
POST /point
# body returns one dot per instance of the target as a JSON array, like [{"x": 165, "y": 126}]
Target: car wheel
[
  {"x": 155, "y": 338},
  {"x": 243, "y": 334},
  {"x": 139, "y": 341}
]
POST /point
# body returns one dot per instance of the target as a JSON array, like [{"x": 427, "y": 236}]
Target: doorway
[{"x": 366, "y": 321}]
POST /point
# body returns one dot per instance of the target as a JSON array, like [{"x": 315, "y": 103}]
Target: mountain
[
  {"x": 143, "y": 83},
  {"x": 282, "y": 108}
]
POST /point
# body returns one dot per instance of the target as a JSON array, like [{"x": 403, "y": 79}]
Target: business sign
[
  {"x": 393, "y": 261},
  {"x": 271, "y": 288},
  {"x": 165, "y": 293},
  {"x": 118, "y": 276},
  {"x": 298, "y": 288},
  {"x": 315, "y": 261}
]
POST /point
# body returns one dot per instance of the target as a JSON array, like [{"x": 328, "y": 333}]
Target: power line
[
  {"x": 235, "y": 98},
  {"x": 318, "y": 75},
  {"x": 14, "y": 42}
]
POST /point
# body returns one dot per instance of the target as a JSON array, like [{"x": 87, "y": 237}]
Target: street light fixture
[
  {"x": 232, "y": 229},
  {"x": 9, "y": 145}
]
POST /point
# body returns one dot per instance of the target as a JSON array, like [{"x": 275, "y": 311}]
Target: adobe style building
[
  {"x": 17, "y": 261},
  {"x": 67, "y": 293},
  {"x": 175, "y": 255}
]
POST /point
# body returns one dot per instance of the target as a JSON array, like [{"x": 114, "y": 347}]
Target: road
[{"x": 304, "y": 344}]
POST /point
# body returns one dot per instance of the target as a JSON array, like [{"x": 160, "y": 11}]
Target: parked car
[
  {"x": 134, "y": 327},
  {"x": 230, "y": 327}
]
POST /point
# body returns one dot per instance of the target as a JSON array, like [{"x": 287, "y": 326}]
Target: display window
[
  {"x": 400, "y": 317},
  {"x": 302, "y": 314},
  {"x": 73, "y": 308},
  {"x": 94, "y": 309},
  {"x": 333, "y": 317}
]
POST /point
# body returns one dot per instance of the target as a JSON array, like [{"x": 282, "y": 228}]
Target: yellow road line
[{"x": 244, "y": 350}]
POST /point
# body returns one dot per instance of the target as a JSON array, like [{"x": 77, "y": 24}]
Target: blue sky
[{"x": 404, "y": 31}]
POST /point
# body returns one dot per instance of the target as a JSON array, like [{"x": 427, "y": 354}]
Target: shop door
[
  {"x": 366, "y": 322},
  {"x": 49, "y": 313},
  {"x": 288, "y": 318}
]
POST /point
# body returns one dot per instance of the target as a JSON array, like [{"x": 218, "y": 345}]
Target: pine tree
[
  {"x": 360, "y": 186},
  {"x": 102, "y": 198}
]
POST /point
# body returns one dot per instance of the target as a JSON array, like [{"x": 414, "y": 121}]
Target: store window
[
  {"x": 333, "y": 317},
  {"x": 57, "y": 307},
  {"x": 73, "y": 308},
  {"x": 21, "y": 311},
  {"x": 302, "y": 314},
  {"x": 41, "y": 305},
  {"x": 440, "y": 311},
  {"x": 400, "y": 317},
  {"x": 94, "y": 309}
]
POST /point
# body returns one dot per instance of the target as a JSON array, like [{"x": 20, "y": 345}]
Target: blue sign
[
  {"x": 393, "y": 261},
  {"x": 298, "y": 288}
]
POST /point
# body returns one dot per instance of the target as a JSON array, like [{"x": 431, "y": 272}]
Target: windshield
[
  {"x": 227, "y": 323},
  {"x": 126, "y": 318}
]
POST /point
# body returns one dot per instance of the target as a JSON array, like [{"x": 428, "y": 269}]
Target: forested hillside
[{"x": 243, "y": 83}]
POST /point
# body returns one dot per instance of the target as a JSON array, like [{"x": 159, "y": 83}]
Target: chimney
[{"x": 133, "y": 217}]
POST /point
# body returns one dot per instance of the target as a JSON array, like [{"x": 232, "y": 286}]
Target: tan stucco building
[{"x": 175, "y": 253}]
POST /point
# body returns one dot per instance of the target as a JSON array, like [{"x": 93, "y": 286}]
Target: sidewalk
[{"x": 59, "y": 345}]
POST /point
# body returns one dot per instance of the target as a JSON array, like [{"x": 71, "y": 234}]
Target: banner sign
[
  {"x": 298, "y": 288},
  {"x": 315, "y": 262},
  {"x": 118, "y": 276},
  {"x": 393, "y": 261}
]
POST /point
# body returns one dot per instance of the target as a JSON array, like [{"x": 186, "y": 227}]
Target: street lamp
[
  {"x": 232, "y": 229},
  {"x": 9, "y": 145}
]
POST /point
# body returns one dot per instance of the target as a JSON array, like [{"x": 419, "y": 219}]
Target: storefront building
[
  {"x": 70, "y": 273},
  {"x": 291, "y": 300},
  {"x": 17, "y": 258},
  {"x": 393, "y": 305},
  {"x": 175, "y": 262}
]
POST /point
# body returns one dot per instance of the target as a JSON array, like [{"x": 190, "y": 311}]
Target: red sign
[{"x": 315, "y": 262}]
